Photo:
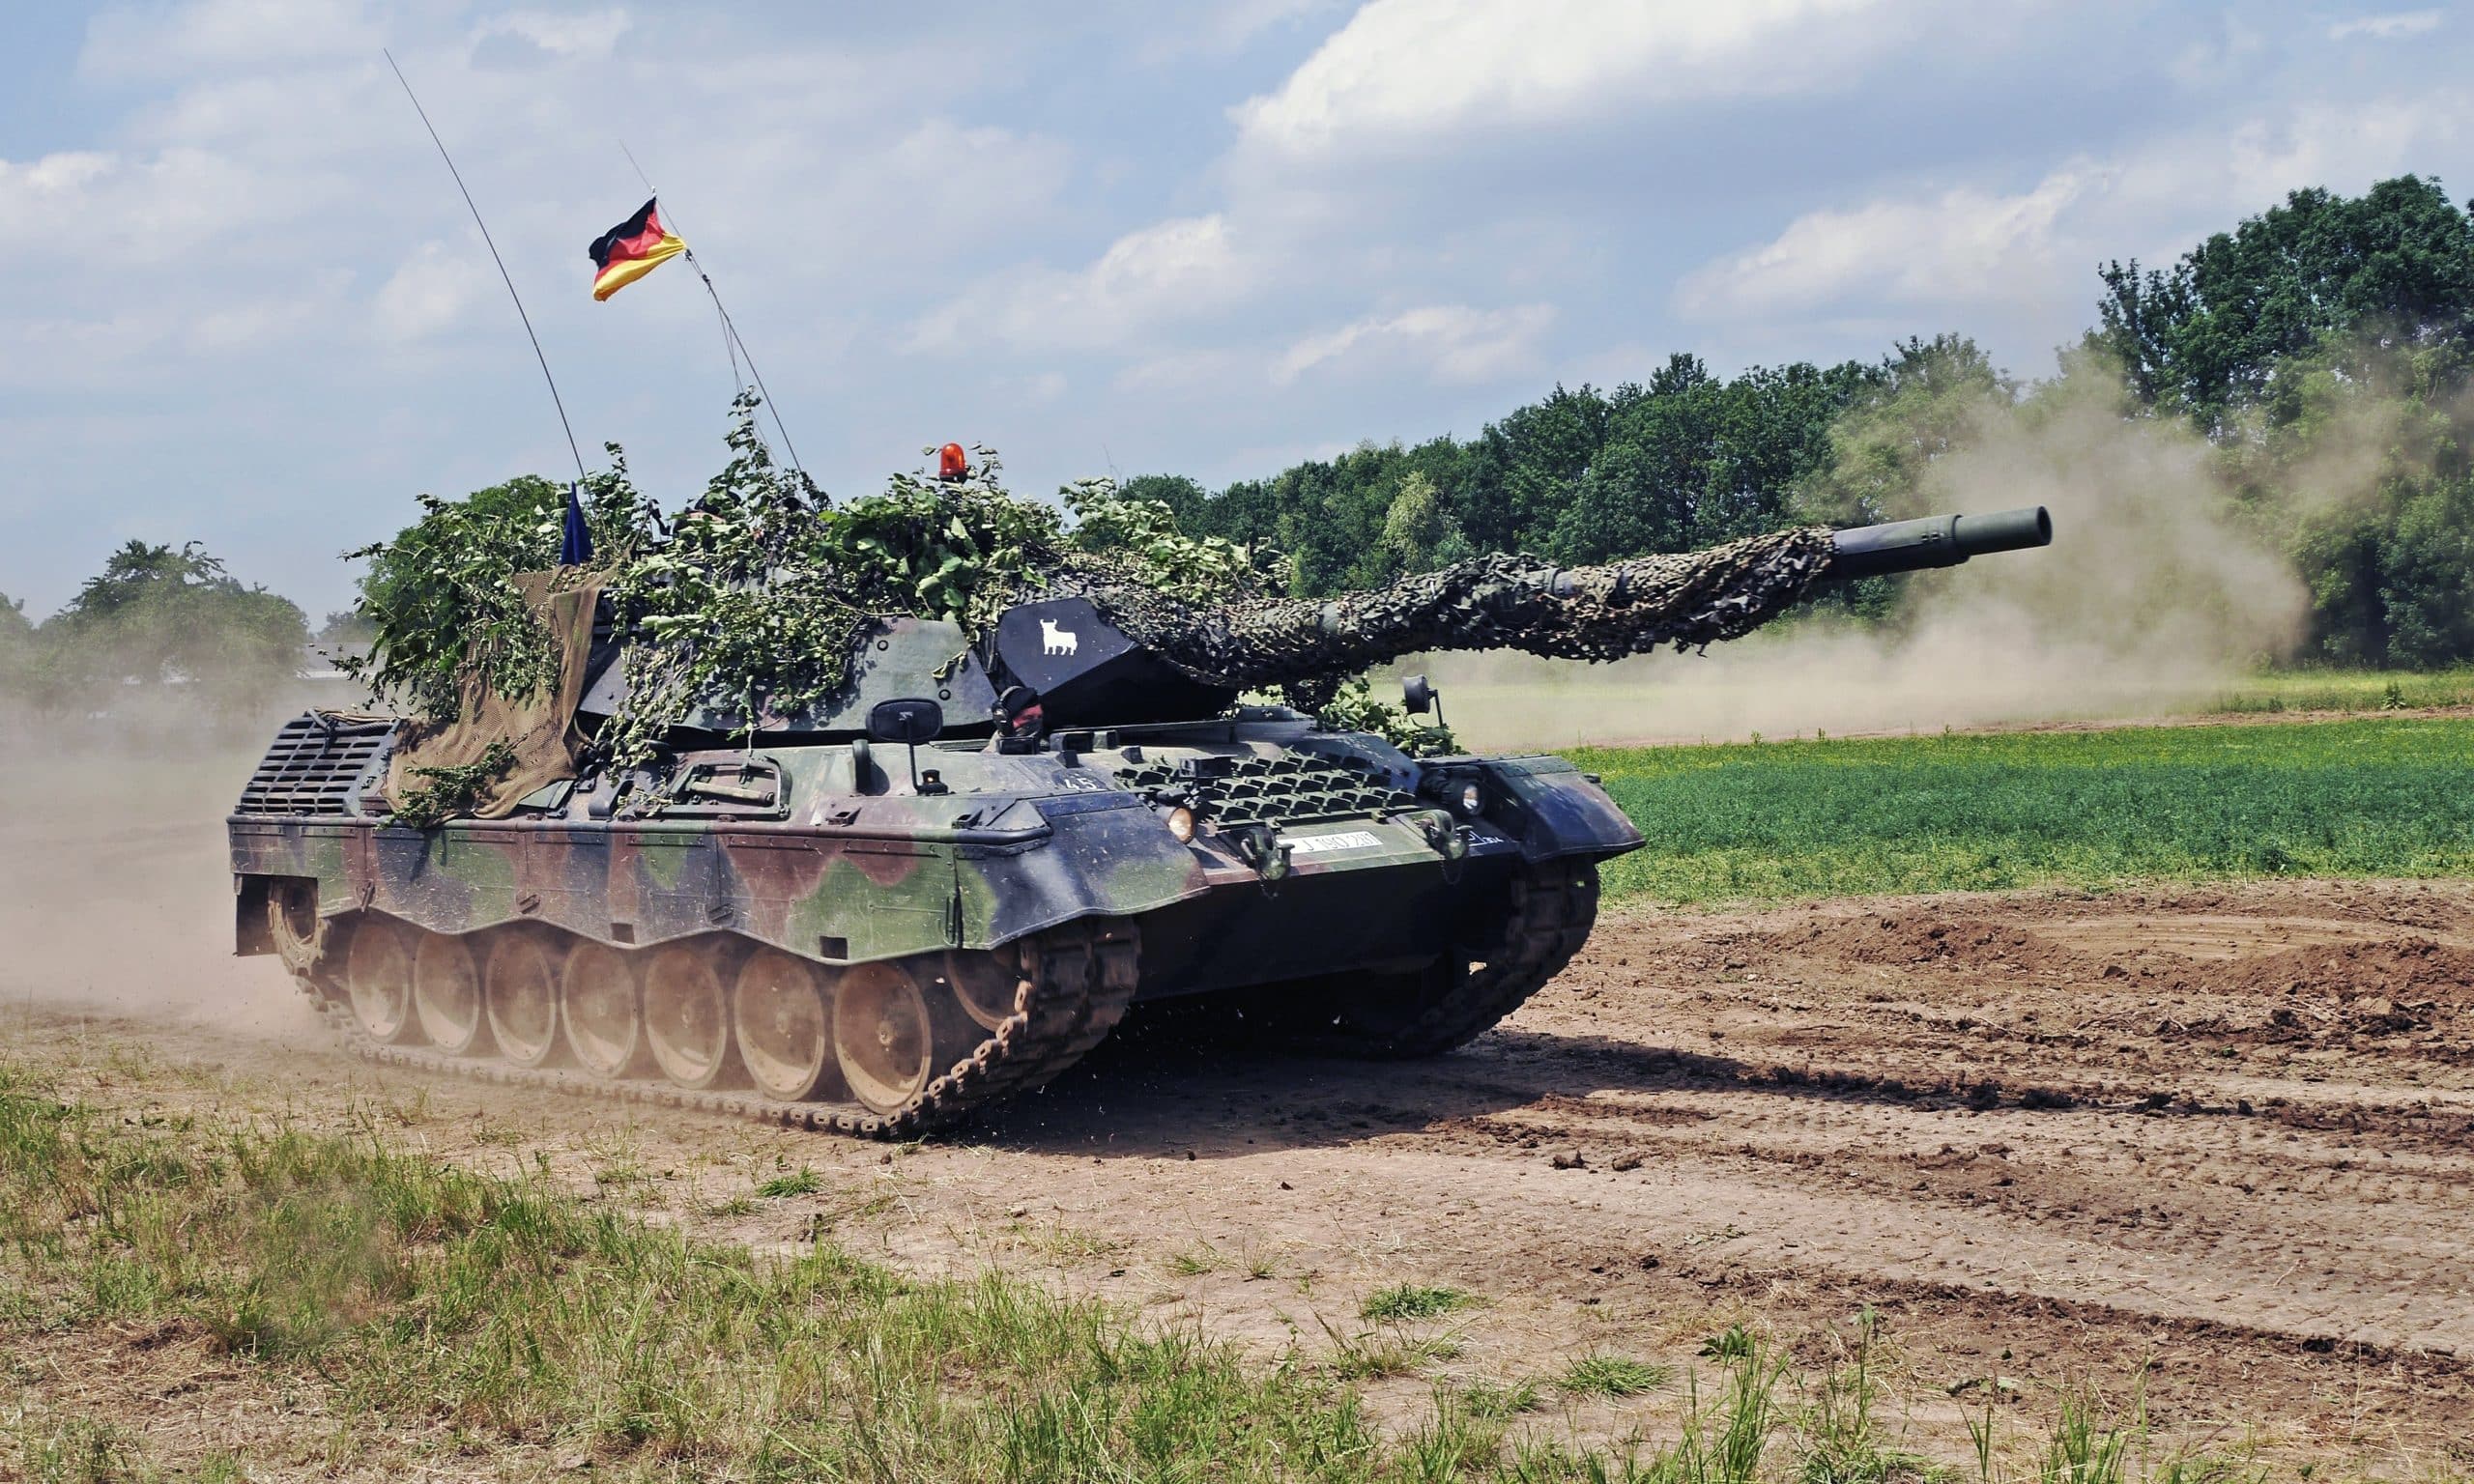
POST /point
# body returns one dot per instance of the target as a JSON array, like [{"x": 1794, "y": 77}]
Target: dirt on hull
[{"x": 2221, "y": 1137}]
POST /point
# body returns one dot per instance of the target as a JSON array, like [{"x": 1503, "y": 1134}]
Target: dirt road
[{"x": 2223, "y": 1137}]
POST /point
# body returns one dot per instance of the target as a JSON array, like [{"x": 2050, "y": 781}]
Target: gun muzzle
[{"x": 1935, "y": 541}]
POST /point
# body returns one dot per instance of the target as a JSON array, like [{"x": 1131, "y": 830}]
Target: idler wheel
[
  {"x": 377, "y": 979},
  {"x": 985, "y": 984},
  {"x": 777, "y": 1010},
  {"x": 893, "y": 1036},
  {"x": 605, "y": 1027},
  {"x": 519, "y": 990},
  {"x": 687, "y": 1016},
  {"x": 295, "y": 928},
  {"x": 446, "y": 993}
]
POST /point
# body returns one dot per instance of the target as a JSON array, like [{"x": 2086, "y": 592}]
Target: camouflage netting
[
  {"x": 750, "y": 601},
  {"x": 1499, "y": 602}
]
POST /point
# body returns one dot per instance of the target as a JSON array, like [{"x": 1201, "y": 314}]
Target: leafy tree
[
  {"x": 157, "y": 617},
  {"x": 1929, "y": 398},
  {"x": 2207, "y": 334},
  {"x": 17, "y": 650},
  {"x": 2427, "y": 593},
  {"x": 1415, "y": 525},
  {"x": 346, "y": 626}
]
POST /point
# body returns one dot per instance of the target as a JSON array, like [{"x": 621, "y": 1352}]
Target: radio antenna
[
  {"x": 503, "y": 277},
  {"x": 730, "y": 330}
]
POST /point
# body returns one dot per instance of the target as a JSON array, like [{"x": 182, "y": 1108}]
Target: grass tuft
[
  {"x": 1613, "y": 1376},
  {"x": 1408, "y": 1302},
  {"x": 799, "y": 1181}
]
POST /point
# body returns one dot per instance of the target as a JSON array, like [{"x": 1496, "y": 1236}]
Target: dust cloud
[
  {"x": 116, "y": 890},
  {"x": 2154, "y": 598}
]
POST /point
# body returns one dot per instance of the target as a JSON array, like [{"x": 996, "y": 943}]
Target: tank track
[
  {"x": 1552, "y": 909},
  {"x": 1076, "y": 981}
]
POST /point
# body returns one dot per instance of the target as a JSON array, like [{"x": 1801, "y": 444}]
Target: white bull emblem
[{"x": 1056, "y": 641}]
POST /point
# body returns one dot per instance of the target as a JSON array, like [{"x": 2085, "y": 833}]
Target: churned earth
[{"x": 2213, "y": 1147}]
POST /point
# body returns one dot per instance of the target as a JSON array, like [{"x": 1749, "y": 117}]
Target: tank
[{"x": 936, "y": 892}]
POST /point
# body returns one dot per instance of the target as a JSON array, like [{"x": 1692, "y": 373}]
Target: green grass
[
  {"x": 2011, "y": 809},
  {"x": 799, "y": 1181},
  {"x": 1404, "y": 1301},
  {"x": 1605, "y": 1375},
  {"x": 2349, "y": 690}
]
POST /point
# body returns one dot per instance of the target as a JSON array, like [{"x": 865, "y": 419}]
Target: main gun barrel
[
  {"x": 1935, "y": 541},
  {"x": 1684, "y": 599}
]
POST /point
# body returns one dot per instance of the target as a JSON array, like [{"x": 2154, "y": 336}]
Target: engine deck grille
[
  {"x": 1283, "y": 790},
  {"x": 319, "y": 765}
]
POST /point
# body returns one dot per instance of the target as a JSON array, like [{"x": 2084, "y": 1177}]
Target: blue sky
[{"x": 240, "y": 302}]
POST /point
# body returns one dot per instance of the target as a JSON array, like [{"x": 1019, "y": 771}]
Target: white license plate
[{"x": 1326, "y": 845}]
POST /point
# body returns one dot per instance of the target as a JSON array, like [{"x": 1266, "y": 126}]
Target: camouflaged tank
[{"x": 944, "y": 887}]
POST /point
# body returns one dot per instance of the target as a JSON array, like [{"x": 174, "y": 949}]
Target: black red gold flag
[{"x": 631, "y": 250}]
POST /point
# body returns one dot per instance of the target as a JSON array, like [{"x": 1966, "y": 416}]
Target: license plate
[{"x": 1326, "y": 845}]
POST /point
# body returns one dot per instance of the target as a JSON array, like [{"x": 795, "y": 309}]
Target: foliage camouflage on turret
[{"x": 752, "y": 597}]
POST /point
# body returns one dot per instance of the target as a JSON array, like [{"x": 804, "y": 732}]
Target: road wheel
[
  {"x": 777, "y": 1010},
  {"x": 377, "y": 979},
  {"x": 893, "y": 1036},
  {"x": 446, "y": 993},
  {"x": 519, "y": 990},
  {"x": 985, "y": 984},
  {"x": 687, "y": 1016},
  {"x": 597, "y": 995}
]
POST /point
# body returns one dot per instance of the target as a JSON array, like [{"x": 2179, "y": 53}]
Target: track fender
[
  {"x": 1552, "y": 810},
  {"x": 1107, "y": 855}
]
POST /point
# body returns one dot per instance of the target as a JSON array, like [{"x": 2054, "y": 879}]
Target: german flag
[{"x": 631, "y": 250}]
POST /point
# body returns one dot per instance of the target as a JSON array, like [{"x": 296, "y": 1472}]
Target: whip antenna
[
  {"x": 503, "y": 277},
  {"x": 730, "y": 340}
]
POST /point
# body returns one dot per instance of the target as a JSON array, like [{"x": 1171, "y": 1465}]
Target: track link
[
  {"x": 1551, "y": 911},
  {"x": 1075, "y": 983}
]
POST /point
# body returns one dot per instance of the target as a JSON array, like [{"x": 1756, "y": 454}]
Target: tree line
[{"x": 2321, "y": 348}]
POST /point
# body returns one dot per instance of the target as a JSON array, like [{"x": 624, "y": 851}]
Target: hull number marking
[{"x": 1325, "y": 845}]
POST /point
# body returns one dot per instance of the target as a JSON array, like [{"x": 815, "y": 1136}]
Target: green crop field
[
  {"x": 2007, "y": 809},
  {"x": 2349, "y": 690}
]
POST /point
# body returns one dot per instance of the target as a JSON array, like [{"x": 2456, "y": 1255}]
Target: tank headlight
[
  {"x": 1181, "y": 823},
  {"x": 1472, "y": 798}
]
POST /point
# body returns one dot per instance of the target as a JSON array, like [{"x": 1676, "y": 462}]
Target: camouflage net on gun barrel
[{"x": 1310, "y": 645}]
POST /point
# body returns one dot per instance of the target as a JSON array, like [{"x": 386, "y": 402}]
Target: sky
[{"x": 241, "y": 303}]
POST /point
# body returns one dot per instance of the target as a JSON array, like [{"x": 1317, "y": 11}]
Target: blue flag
[{"x": 575, "y": 546}]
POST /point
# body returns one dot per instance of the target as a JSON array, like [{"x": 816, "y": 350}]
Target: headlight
[
  {"x": 1471, "y": 798},
  {"x": 1181, "y": 823}
]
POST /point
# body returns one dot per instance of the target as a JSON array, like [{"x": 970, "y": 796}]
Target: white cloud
[
  {"x": 1411, "y": 68},
  {"x": 163, "y": 42},
  {"x": 2385, "y": 28},
  {"x": 1452, "y": 342},
  {"x": 81, "y": 207},
  {"x": 2030, "y": 255},
  {"x": 1173, "y": 271},
  {"x": 426, "y": 294},
  {"x": 1962, "y": 245},
  {"x": 586, "y": 34}
]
